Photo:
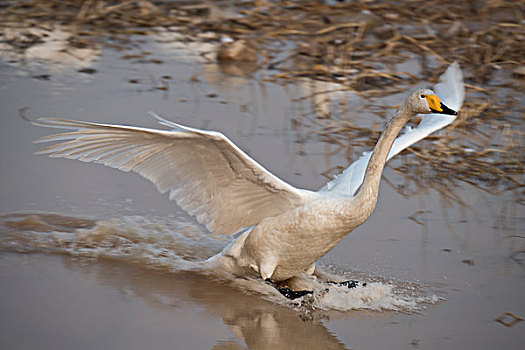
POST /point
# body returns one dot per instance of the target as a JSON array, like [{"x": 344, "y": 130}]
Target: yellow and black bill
[{"x": 436, "y": 106}]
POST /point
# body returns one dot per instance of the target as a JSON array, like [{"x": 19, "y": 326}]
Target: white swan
[{"x": 286, "y": 230}]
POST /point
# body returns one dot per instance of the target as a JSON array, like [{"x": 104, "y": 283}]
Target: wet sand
[{"x": 460, "y": 252}]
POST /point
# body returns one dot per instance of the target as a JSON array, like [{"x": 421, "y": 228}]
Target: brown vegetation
[{"x": 357, "y": 45}]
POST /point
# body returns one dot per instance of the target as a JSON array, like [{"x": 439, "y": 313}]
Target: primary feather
[{"x": 204, "y": 172}]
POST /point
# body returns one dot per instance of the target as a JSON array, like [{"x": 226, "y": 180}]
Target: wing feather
[{"x": 204, "y": 172}]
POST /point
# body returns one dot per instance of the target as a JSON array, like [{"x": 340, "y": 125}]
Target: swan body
[
  {"x": 283, "y": 246},
  {"x": 283, "y": 230}
]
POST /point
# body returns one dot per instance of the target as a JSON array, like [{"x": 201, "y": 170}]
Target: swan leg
[
  {"x": 266, "y": 269},
  {"x": 311, "y": 269},
  {"x": 303, "y": 281}
]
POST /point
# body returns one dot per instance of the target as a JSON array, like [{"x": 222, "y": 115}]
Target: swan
[{"x": 281, "y": 230}]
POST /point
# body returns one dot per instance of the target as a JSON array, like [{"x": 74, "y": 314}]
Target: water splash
[{"x": 179, "y": 246}]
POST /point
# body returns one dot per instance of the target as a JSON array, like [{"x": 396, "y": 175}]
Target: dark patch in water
[{"x": 87, "y": 70}]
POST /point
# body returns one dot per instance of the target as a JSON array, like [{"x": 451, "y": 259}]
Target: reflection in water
[
  {"x": 237, "y": 69},
  {"x": 58, "y": 48},
  {"x": 257, "y": 323}
]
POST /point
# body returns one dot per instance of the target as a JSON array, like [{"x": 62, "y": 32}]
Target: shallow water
[{"x": 92, "y": 257}]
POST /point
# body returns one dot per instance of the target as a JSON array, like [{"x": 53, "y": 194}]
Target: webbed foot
[
  {"x": 287, "y": 292},
  {"x": 293, "y": 294}
]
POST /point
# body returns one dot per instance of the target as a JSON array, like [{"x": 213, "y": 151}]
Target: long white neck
[{"x": 367, "y": 194}]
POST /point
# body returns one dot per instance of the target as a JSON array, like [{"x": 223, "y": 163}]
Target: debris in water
[
  {"x": 87, "y": 70},
  {"x": 469, "y": 262},
  {"x": 236, "y": 51},
  {"x": 508, "y": 319}
]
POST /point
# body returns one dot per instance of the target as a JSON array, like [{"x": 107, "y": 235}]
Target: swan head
[{"x": 426, "y": 101}]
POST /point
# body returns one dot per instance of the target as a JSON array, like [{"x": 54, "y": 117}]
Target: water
[
  {"x": 92, "y": 257},
  {"x": 175, "y": 248}
]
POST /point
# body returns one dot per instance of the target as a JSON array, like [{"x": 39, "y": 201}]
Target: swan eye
[{"x": 422, "y": 96}]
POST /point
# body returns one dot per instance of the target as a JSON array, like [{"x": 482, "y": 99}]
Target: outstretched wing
[
  {"x": 204, "y": 172},
  {"x": 451, "y": 91}
]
